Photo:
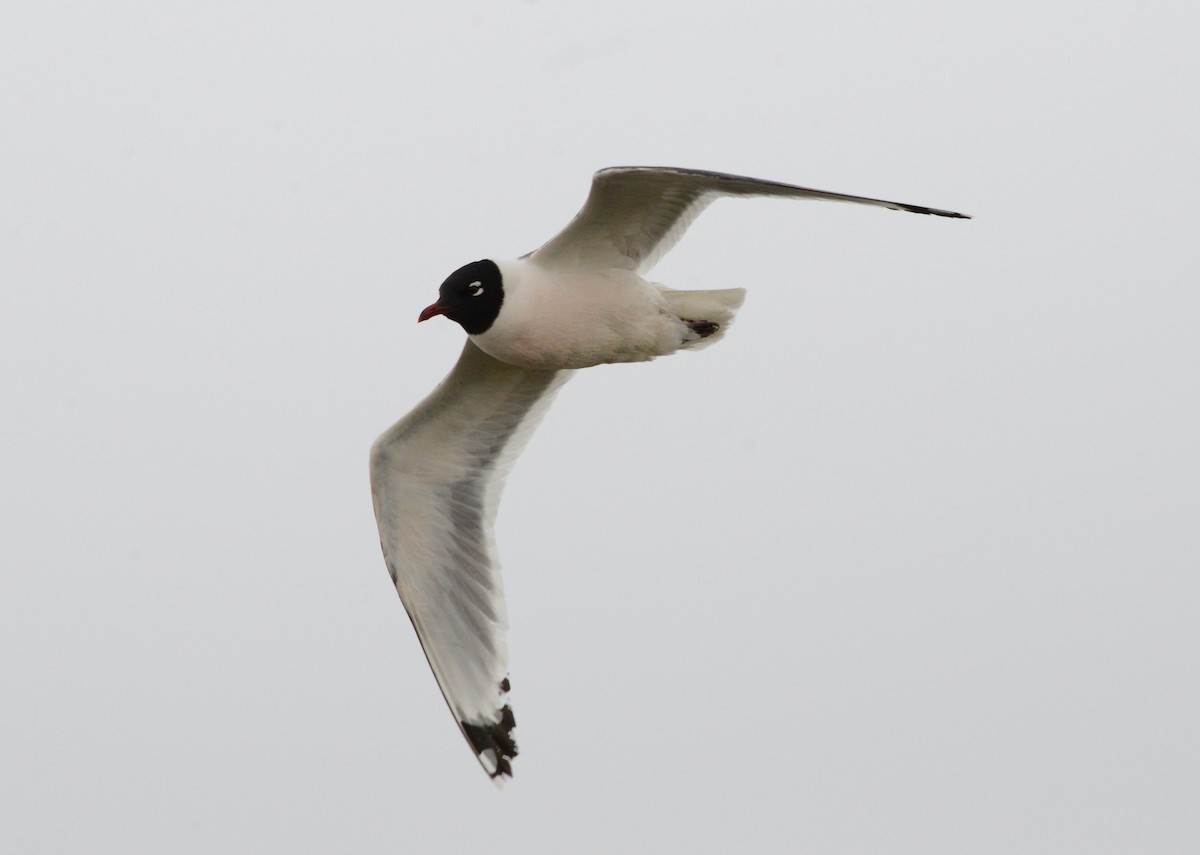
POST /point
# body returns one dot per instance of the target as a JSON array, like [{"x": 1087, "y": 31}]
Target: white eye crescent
[{"x": 476, "y": 288}]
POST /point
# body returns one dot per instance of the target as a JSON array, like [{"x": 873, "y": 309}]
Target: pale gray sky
[{"x": 908, "y": 563}]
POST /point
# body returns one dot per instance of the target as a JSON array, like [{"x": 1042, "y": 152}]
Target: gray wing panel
[
  {"x": 436, "y": 477},
  {"x": 634, "y": 215}
]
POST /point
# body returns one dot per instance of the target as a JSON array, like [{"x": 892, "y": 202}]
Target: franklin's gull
[{"x": 580, "y": 300}]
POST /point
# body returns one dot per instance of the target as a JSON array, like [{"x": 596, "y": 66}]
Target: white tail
[{"x": 716, "y": 307}]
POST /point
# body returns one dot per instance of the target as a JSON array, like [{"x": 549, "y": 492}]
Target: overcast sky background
[{"x": 908, "y": 563}]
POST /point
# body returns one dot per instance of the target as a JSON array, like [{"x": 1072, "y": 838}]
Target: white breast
[{"x": 553, "y": 318}]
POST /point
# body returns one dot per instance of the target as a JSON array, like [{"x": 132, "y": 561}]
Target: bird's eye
[{"x": 476, "y": 288}]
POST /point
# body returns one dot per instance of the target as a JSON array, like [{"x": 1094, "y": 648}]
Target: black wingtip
[
  {"x": 920, "y": 209},
  {"x": 494, "y": 743}
]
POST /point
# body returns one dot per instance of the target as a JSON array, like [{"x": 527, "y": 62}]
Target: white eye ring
[{"x": 476, "y": 288}]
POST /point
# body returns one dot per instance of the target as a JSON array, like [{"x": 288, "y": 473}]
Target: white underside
[{"x": 556, "y": 318}]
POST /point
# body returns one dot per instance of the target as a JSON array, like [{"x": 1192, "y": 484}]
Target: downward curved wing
[
  {"x": 635, "y": 214},
  {"x": 436, "y": 477}
]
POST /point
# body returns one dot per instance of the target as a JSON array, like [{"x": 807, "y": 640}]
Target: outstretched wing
[
  {"x": 635, "y": 214},
  {"x": 436, "y": 477}
]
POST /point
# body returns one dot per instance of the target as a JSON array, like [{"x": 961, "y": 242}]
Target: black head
[{"x": 470, "y": 296}]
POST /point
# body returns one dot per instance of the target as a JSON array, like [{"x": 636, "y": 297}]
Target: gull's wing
[
  {"x": 436, "y": 477},
  {"x": 635, "y": 214}
]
